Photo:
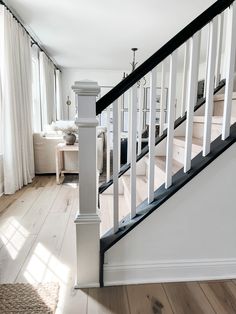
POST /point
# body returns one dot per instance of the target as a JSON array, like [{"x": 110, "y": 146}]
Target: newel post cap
[{"x": 86, "y": 88}]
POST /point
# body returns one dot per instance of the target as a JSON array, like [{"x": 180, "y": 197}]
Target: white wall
[
  {"x": 190, "y": 237},
  {"x": 104, "y": 78},
  {"x": 69, "y": 76}
]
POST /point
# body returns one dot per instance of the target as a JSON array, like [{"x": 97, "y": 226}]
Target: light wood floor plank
[
  {"x": 13, "y": 255},
  {"x": 21, "y": 205},
  {"x": 148, "y": 299},
  {"x": 36, "y": 215},
  {"x": 221, "y": 295},
  {"x": 16, "y": 212},
  {"x": 39, "y": 181},
  {"x": 108, "y": 300},
  {"x": 186, "y": 298},
  {"x": 64, "y": 201}
]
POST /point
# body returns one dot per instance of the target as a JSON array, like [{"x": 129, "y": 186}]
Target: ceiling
[{"x": 96, "y": 34}]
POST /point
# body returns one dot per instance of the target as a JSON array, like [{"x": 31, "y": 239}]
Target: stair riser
[
  {"x": 159, "y": 176},
  {"x": 198, "y": 130},
  {"x": 128, "y": 197},
  {"x": 179, "y": 151},
  {"x": 219, "y": 108},
  {"x": 109, "y": 191},
  {"x": 141, "y": 191}
]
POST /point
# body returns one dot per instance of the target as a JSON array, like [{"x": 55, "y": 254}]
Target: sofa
[{"x": 44, "y": 151}]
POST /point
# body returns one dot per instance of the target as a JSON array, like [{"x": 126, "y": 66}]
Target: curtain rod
[{"x": 33, "y": 41}]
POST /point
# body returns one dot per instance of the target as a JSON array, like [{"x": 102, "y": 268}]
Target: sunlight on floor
[
  {"x": 45, "y": 267},
  {"x": 13, "y": 236},
  {"x": 72, "y": 185}
]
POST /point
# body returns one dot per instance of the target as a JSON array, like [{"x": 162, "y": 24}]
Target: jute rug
[{"x": 24, "y": 298}]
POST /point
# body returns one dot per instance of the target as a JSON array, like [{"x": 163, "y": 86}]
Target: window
[{"x": 46, "y": 90}]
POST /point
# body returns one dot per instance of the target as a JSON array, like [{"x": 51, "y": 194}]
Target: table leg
[
  {"x": 62, "y": 162},
  {"x": 57, "y": 167}
]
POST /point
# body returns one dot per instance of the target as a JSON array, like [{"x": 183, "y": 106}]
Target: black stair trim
[
  {"x": 174, "y": 43},
  {"x": 180, "y": 179},
  {"x": 145, "y": 150}
]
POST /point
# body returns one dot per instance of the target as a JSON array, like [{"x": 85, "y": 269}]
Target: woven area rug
[{"x": 24, "y": 298}]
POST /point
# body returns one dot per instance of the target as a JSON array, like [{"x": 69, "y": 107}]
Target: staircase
[
  {"x": 186, "y": 145},
  {"x": 179, "y": 143}
]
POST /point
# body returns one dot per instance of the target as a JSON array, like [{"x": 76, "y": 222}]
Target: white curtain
[
  {"x": 47, "y": 89},
  {"x": 16, "y": 75},
  {"x": 59, "y": 104}
]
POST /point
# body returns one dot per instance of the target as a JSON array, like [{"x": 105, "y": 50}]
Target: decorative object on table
[
  {"x": 69, "y": 134},
  {"x": 69, "y": 138},
  {"x": 68, "y": 103}
]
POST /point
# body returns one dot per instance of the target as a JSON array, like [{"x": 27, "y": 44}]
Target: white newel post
[{"x": 87, "y": 220}]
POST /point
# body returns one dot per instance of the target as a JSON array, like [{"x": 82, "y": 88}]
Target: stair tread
[
  {"x": 215, "y": 119},
  {"x": 220, "y": 97},
  {"x": 142, "y": 181},
  {"x": 160, "y": 162},
  {"x": 196, "y": 142}
]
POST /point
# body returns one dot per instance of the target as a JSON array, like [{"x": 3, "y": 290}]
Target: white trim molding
[
  {"x": 86, "y": 88},
  {"x": 86, "y": 122},
  {"x": 170, "y": 271},
  {"x": 92, "y": 218},
  {"x": 84, "y": 286}
]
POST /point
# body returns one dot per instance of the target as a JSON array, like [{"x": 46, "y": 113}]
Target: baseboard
[
  {"x": 167, "y": 271},
  {"x": 84, "y": 286}
]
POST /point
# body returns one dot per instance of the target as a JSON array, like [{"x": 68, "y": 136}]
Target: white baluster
[
  {"x": 129, "y": 127},
  {"x": 108, "y": 143},
  {"x": 133, "y": 150},
  {"x": 115, "y": 166},
  {"x": 207, "y": 59},
  {"x": 152, "y": 131},
  {"x": 219, "y": 48},
  {"x": 230, "y": 64},
  {"x": 119, "y": 130},
  {"x": 185, "y": 79},
  {"x": 140, "y": 116},
  {"x": 192, "y": 97},
  {"x": 210, "y": 86},
  {"x": 171, "y": 116},
  {"x": 162, "y": 98}
]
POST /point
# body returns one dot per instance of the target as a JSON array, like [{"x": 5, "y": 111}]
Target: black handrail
[{"x": 179, "y": 39}]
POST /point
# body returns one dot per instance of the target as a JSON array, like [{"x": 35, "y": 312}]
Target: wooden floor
[{"x": 37, "y": 244}]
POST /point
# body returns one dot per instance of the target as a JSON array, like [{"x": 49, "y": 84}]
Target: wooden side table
[{"x": 60, "y": 166}]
